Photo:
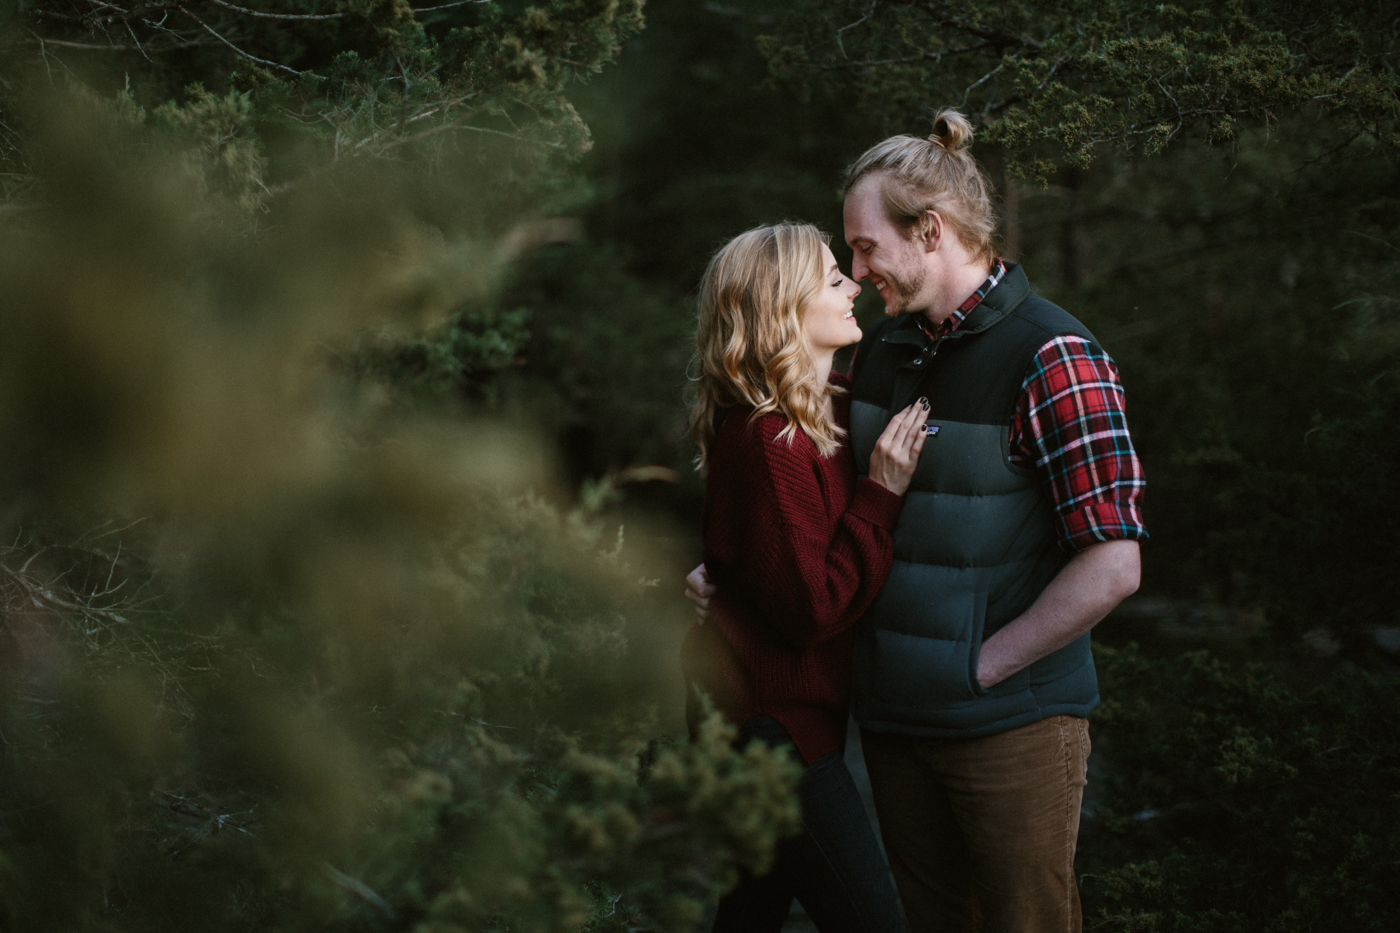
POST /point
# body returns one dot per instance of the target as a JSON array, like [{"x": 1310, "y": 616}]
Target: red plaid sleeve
[{"x": 1070, "y": 426}]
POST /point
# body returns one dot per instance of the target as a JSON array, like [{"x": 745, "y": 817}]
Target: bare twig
[
  {"x": 96, "y": 616},
  {"x": 935, "y": 57},
  {"x": 992, "y": 36},
  {"x": 138, "y": 43},
  {"x": 479, "y": 129},
  {"x": 978, "y": 83},
  {"x": 446, "y": 6},
  {"x": 93, "y": 536},
  {"x": 94, "y": 47},
  {"x": 869, "y": 12},
  {"x": 1051, "y": 73},
  {"x": 236, "y": 49},
  {"x": 360, "y": 889},
  {"x": 247, "y": 12},
  {"x": 142, "y": 12}
]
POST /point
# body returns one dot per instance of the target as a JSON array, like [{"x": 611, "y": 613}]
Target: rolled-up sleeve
[{"x": 1071, "y": 426}]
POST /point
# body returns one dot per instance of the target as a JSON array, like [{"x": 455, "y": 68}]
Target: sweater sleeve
[{"x": 810, "y": 575}]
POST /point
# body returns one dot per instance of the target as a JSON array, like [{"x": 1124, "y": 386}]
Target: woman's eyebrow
[{"x": 835, "y": 267}]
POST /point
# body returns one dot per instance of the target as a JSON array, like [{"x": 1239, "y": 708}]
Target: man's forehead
[
  {"x": 862, "y": 213},
  {"x": 855, "y": 223}
]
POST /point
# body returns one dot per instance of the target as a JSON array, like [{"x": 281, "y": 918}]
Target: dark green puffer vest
[{"x": 976, "y": 542}]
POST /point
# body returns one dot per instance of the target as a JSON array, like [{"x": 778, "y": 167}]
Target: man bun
[
  {"x": 933, "y": 173},
  {"x": 951, "y": 130}
]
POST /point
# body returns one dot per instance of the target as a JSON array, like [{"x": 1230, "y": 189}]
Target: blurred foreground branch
[{"x": 353, "y": 632}]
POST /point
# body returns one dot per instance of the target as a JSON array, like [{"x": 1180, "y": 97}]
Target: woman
[{"x": 798, "y": 549}]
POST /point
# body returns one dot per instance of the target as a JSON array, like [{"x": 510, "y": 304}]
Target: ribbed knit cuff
[{"x": 876, "y": 504}]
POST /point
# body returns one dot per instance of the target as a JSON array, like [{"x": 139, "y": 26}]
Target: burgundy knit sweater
[{"x": 798, "y": 549}]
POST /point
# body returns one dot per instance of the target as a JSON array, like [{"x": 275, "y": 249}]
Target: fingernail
[{"x": 924, "y": 402}]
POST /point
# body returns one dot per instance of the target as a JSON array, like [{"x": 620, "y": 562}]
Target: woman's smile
[{"x": 830, "y": 320}]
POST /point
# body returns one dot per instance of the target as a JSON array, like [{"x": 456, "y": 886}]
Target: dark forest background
[{"x": 346, "y": 489}]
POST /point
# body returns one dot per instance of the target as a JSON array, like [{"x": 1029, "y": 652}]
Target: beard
[{"x": 905, "y": 284}]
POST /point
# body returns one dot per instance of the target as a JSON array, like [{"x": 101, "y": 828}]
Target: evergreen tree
[
  {"x": 282, "y": 649},
  {"x": 1059, "y": 82}
]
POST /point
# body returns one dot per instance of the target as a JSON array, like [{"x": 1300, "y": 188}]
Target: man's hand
[
  {"x": 1090, "y": 585},
  {"x": 699, "y": 589}
]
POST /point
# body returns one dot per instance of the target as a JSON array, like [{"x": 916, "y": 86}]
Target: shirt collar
[{"x": 951, "y": 322}]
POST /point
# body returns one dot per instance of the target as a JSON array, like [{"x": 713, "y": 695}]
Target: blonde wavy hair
[{"x": 751, "y": 349}]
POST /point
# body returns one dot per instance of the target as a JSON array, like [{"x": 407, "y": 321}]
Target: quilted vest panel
[{"x": 976, "y": 542}]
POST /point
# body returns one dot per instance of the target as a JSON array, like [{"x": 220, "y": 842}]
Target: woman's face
[{"x": 830, "y": 323}]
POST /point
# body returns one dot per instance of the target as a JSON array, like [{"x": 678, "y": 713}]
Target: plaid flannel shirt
[{"x": 1069, "y": 425}]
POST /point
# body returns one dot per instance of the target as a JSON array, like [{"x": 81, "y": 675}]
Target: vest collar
[
  {"x": 908, "y": 332},
  {"x": 1000, "y": 301}
]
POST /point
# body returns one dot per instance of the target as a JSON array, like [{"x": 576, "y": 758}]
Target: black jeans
[{"x": 834, "y": 868}]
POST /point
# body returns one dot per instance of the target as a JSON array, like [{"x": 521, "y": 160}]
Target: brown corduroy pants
[{"x": 981, "y": 832}]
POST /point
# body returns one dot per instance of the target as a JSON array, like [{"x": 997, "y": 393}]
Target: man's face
[{"x": 892, "y": 263}]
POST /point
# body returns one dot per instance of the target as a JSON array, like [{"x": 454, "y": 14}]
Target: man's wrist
[{"x": 989, "y": 665}]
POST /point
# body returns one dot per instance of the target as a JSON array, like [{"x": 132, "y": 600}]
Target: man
[{"x": 973, "y": 675}]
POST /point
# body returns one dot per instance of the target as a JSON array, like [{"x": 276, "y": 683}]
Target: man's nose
[{"x": 859, "y": 270}]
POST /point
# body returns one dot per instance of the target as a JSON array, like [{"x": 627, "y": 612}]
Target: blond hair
[
  {"x": 750, "y": 348},
  {"x": 933, "y": 174}
]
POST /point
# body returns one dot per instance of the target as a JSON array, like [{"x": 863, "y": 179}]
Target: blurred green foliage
[
  {"x": 350, "y": 663},
  {"x": 467, "y": 742},
  {"x": 1262, "y": 806}
]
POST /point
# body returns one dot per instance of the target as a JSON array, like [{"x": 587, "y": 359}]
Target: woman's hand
[
  {"x": 897, "y": 451},
  {"x": 699, "y": 589}
]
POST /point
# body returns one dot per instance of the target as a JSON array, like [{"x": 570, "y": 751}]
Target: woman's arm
[{"x": 811, "y": 577}]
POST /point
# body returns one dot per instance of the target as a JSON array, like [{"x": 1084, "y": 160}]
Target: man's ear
[{"x": 931, "y": 230}]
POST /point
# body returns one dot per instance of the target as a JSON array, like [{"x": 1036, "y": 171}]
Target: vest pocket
[{"x": 917, "y": 670}]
